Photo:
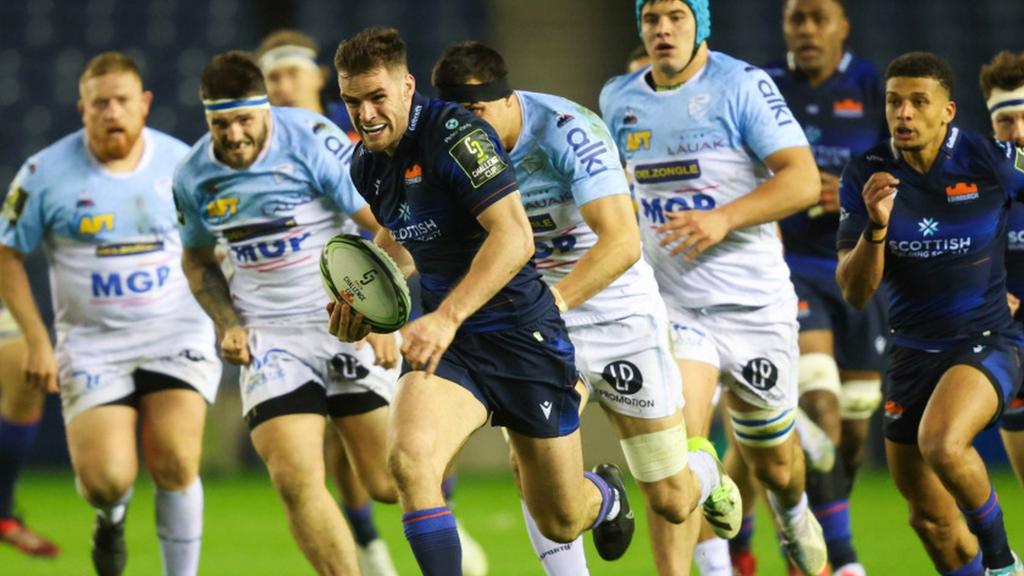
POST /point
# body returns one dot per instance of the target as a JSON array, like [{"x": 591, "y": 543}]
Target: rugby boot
[
  {"x": 854, "y": 569},
  {"x": 821, "y": 453},
  {"x": 724, "y": 507},
  {"x": 474, "y": 559},
  {"x": 612, "y": 537},
  {"x": 804, "y": 543},
  {"x": 375, "y": 559},
  {"x": 14, "y": 532},
  {"x": 1015, "y": 569},
  {"x": 744, "y": 563},
  {"x": 109, "y": 554}
]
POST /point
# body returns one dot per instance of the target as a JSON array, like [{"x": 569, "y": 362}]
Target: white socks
[
  {"x": 791, "y": 515},
  {"x": 705, "y": 468},
  {"x": 179, "y": 524},
  {"x": 558, "y": 559},
  {"x": 114, "y": 513},
  {"x": 712, "y": 557}
]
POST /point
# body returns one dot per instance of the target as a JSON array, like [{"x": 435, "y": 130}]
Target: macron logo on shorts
[{"x": 545, "y": 407}]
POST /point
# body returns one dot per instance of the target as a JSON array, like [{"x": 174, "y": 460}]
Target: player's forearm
[
  {"x": 860, "y": 271},
  {"x": 210, "y": 288},
  {"x": 608, "y": 259},
  {"x": 398, "y": 253},
  {"x": 16, "y": 294},
  {"x": 505, "y": 251},
  {"x": 790, "y": 190}
]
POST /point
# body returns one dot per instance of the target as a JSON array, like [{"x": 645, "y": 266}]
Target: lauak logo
[
  {"x": 848, "y": 108},
  {"x": 928, "y": 226},
  {"x": 961, "y": 192}
]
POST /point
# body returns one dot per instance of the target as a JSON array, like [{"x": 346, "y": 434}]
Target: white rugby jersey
[
  {"x": 276, "y": 215},
  {"x": 563, "y": 159},
  {"x": 112, "y": 244},
  {"x": 698, "y": 147}
]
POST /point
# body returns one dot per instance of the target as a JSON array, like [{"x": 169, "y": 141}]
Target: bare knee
[
  {"x": 173, "y": 471},
  {"x": 381, "y": 488},
  {"x": 104, "y": 487},
  {"x": 558, "y": 524},
  {"x": 823, "y": 408},
  {"x": 669, "y": 500},
  {"x": 941, "y": 451},
  {"x": 774, "y": 471},
  {"x": 933, "y": 528},
  {"x": 412, "y": 470}
]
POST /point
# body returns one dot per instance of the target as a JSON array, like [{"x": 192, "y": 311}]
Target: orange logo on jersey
[
  {"x": 961, "y": 191},
  {"x": 892, "y": 409},
  {"x": 1017, "y": 404},
  {"x": 413, "y": 174},
  {"x": 848, "y": 108}
]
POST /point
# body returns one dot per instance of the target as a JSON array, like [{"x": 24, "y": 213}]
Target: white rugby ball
[{"x": 358, "y": 272}]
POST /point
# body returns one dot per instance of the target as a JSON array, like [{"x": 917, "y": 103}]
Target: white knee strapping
[
  {"x": 658, "y": 455},
  {"x": 859, "y": 399},
  {"x": 762, "y": 428},
  {"x": 819, "y": 371}
]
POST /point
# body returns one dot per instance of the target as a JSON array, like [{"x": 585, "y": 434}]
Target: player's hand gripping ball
[{"x": 355, "y": 271}]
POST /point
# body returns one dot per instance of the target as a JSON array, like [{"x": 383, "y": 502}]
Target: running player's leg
[
  {"x": 1012, "y": 432},
  {"x": 172, "y": 418},
  {"x": 365, "y": 438},
  {"x": 420, "y": 447},
  {"x": 933, "y": 512},
  {"x": 741, "y": 553},
  {"x": 965, "y": 401},
  {"x": 355, "y": 501},
  {"x": 21, "y": 410}
]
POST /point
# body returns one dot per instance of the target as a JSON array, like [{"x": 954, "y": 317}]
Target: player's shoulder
[
  {"x": 442, "y": 125},
  {"x": 57, "y": 162},
  {"x": 724, "y": 68},
  {"x": 295, "y": 125},
  {"x": 166, "y": 146},
  {"x": 549, "y": 114},
  {"x": 880, "y": 157}
]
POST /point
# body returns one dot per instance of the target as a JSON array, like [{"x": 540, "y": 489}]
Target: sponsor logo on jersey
[
  {"x": 340, "y": 148},
  {"x": 542, "y": 223},
  {"x": 587, "y": 150},
  {"x": 222, "y": 207},
  {"x": 95, "y": 224},
  {"x": 476, "y": 155},
  {"x": 629, "y": 119},
  {"x": 1018, "y": 162},
  {"x": 638, "y": 140},
  {"x": 242, "y": 233},
  {"x": 14, "y": 205},
  {"x": 563, "y": 119},
  {"x": 667, "y": 171},
  {"x": 696, "y": 141},
  {"x": 699, "y": 105},
  {"x": 928, "y": 226},
  {"x": 413, "y": 175},
  {"x": 893, "y": 410},
  {"x": 348, "y": 367},
  {"x": 961, "y": 192},
  {"x": 269, "y": 249},
  {"x": 1016, "y": 240},
  {"x": 625, "y": 377},
  {"x": 654, "y": 211},
  {"x": 418, "y": 231},
  {"x": 560, "y": 244},
  {"x": 848, "y": 108},
  {"x": 761, "y": 373},
  {"x": 128, "y": 249},
  {"x": 116, "y": 284},
  {"x": 930, "y": 247},
  {"x": 84, "y": 202},
  {"x": 776, "y": 103}
]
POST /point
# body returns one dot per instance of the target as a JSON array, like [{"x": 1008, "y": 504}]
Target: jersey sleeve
[
  {"x": 331, "y": 162},
  {"x": 23, "y": 221},
  {"x": 1016, "y": 178},
  {"x": 765, "y": 122},
  {"x": 194, "y": 233},
  {"x": 853, "y": 214},
  {"x": 472, "y": 162},
  {"x": 588, "y": 159}
]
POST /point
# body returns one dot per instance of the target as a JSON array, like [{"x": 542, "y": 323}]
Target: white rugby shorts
[
  {"x": 284, "y": 358},
  {"x": 755, "y": 348}
]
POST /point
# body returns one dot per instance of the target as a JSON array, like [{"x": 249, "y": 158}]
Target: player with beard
[
  {"x": 926, "y": 212},
  {"x": 274, "y": 183},
  {"x": 1002, "y": 84},
  {"x": 133, "y": 347}
]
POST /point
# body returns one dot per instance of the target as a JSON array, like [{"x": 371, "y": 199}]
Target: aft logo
[
  {"x": 638, "y": 140},
  {"x": 222, "y": 207},
  {"x": 961, "y": 192},
  {"x": 91, "y": 225}
]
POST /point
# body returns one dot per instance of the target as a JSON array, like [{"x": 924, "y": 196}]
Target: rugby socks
[
  {"x": 15, "y": 443},
  {"x": 705, "y": 468},
  {"x": 115, "y": 513},
  {"x": 609, "y": 500},
  {"x": 986, "y": 522},
  {"x": 360, "y": 519},
  {"x": 972, "y": 568},
  {"x": 793, "y": 513},
  {"x": 434, "y": 540},
  {"x": 179, "y": 525},
  {"x": 557, "y": 558},
  {"x": 834, "y": 518},
  {"x": 712, "y": 557},
  {"x": 741, "y": 542}
]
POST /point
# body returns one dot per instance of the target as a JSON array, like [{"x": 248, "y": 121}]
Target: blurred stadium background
[{"x": 567, "y": 47}]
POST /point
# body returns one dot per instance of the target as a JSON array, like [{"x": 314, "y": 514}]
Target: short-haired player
[
  {"x": 274, "y": 184},
  {"x": 134, "y": 349},
  {"x": 716, "y": 158},
  {"x": 1002, "y": 85},
  {"x": 925, "y": 212},
  {"x": 491, "y": 344}
]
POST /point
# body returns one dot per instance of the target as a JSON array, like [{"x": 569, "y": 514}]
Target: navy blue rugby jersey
[
  {"x": 946, "y": 248},
  {"x": 1015, "y": 253},
  {"x": 448, "y": 168},
  {"x": 843, "y": 117}
]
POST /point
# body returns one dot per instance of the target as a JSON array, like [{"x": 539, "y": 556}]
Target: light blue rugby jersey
[
  {"x": 111, "y": 240},
  {"x": 275, "y": 215},
  {"x": 698, "y": 147},
  {"x": 565, "y": 158}
]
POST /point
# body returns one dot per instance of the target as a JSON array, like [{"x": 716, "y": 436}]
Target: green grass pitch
[{"x": 246, "y": 534}]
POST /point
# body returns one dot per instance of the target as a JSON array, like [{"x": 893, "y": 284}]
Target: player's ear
[
  {"x": 408, "y": 85},
  {"x": 147, "y": 100},
  {"x": 950, "y": 111},
  {"x": 844, "y": 28}
]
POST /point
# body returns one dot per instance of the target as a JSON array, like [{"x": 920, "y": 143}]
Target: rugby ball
[{"x": 358, "y": 272}]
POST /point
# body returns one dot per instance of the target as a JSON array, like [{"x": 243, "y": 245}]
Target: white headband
[
  {"x": 1006, "y": 101},
  {"x": 225, "y": 104},
  {"x": 288, "y": 55}
]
